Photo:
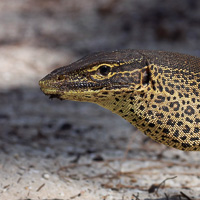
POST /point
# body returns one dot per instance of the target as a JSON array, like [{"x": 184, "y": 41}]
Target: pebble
[{"x": 45, "y": 176}]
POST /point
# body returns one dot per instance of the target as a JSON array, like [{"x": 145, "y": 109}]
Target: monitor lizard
[{"x": 156, "y": 91}]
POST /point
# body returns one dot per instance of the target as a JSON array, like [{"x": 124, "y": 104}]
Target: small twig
[
  {"x": 136, "y": 196},
  {"x": 7, "y": 186},
  {"x": 19, "y": 179},
  {"x": 184, "y": 195},
  {"x": 77, "y": 195},
  {"x": 155, "y": 187},
  {"x": 167, "y": 198},
  {"x": 40, "y": 187}
]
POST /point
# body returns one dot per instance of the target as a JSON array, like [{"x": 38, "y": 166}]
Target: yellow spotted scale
[{"x": 156, "y": 91}]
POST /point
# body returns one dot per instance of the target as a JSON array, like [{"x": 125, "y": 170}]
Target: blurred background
[
  {"x": 65, "y": 30},
  {"x": 39, "y": 136}
]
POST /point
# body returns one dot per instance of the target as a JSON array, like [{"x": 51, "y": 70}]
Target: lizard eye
[{"x": 104, "y": 70}]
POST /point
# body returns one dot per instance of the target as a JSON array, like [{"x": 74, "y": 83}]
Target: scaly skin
[{"x": 156, "y": 91}]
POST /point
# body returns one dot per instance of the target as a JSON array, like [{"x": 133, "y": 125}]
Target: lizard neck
[
  {"x": 129, "y": 106},
  {"x": 147, "y": 110}
]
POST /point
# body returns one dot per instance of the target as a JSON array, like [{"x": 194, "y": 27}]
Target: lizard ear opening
[{"x": 146, "y": 76}]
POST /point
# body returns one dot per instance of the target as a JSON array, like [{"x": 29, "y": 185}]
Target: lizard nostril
[{"x": 60, "y": 77}]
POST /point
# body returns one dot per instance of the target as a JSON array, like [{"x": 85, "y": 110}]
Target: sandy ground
[{"x": 72, "y": 150}]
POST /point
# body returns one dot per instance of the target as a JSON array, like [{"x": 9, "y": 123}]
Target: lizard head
[{"x": 97, "y": 77}]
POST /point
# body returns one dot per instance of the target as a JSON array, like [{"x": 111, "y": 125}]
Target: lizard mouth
[
  {"x": 50, "y": 88},
  {"x": 66, "y": 90},
  {"x": 52, "y": 93}
]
